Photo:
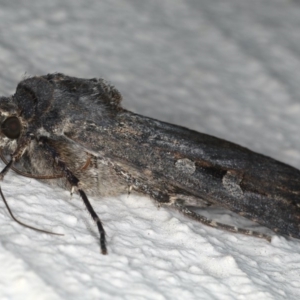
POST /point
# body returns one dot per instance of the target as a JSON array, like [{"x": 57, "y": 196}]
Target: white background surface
[{"x": 230, "y": 68}]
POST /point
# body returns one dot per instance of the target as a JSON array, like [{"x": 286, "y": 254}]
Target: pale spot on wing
[{"x": 186, "y": 166}]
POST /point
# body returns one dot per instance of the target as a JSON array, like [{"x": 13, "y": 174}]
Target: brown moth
[{"x": 75, "y": 130}]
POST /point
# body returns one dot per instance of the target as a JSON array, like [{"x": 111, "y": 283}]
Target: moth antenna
[
  {"x": 6, "y": 169},
  {"x": 21, "y": 223}
]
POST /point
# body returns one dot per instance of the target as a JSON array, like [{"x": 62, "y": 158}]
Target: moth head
[
  {"x": 23, "y": 109},
  {"x": 10, "y": 124}
]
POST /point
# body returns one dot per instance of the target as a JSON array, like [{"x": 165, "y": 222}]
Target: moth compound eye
[{"x": 11, "y": 128}]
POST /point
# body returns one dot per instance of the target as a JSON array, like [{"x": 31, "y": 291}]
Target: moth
[{"x": 75, "y": 132}]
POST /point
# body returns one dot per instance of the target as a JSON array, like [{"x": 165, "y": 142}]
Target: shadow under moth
[{"x": 75, "y": 132}]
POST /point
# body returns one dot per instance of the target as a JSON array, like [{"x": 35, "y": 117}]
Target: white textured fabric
[{"x": 230, "y": 68}]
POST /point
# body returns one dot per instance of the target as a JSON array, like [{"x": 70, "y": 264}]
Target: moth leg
[
  {"x": 17, "y": 154},
  {"x": 25, "y": 174},
  {"x": 191, "y": 214},
  {"x": 74, "y": 181},
  {"x": 129, "y": 189}
]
